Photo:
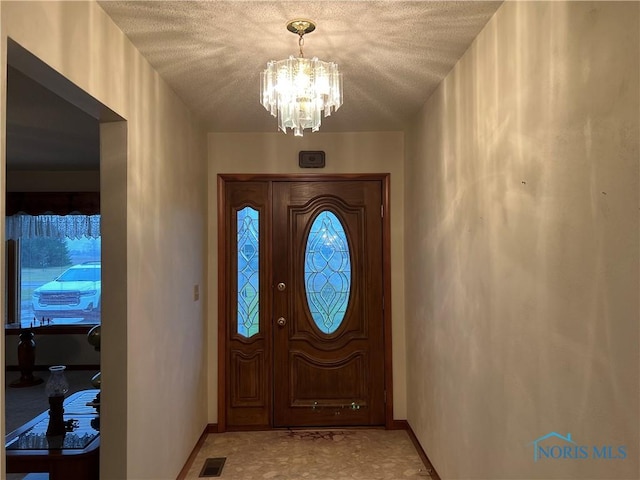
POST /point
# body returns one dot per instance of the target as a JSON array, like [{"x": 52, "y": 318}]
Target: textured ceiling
[{"x": 393, "y": 54}]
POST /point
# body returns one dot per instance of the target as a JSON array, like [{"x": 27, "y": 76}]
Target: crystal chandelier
[{"x": 298, "y": 90}]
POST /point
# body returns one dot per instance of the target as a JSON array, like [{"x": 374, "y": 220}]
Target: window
[
  {"x": 57, "y": 278},
  {"x": 327, "y": 272},
  {"x": 248, "y": 248}
]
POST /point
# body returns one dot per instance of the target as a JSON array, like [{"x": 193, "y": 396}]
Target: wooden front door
[
  {"x": 304, "y": 328},
  {"x": 327, "y": 304}
]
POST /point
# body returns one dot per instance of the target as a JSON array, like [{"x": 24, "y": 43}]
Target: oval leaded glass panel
[
  {"x": 327, "y": 272},
  {"x": 248, "y": 248}
]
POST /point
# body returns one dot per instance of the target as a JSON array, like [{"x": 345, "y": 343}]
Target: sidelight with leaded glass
[{"x": 248, "y": 256}]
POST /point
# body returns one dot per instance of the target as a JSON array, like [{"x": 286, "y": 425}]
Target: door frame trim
[{"x": 385, "y": 180}]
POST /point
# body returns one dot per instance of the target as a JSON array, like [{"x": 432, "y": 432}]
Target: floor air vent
[{"x": 213, "y": 467}]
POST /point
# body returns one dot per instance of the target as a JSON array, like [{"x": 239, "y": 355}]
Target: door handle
[{"x": 281, "y": 322}]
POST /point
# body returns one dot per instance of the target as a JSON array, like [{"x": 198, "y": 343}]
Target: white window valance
[{"x": 52, "y": 226}]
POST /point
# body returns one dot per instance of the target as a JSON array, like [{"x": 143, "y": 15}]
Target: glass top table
[{"x": 72, "y": 455}]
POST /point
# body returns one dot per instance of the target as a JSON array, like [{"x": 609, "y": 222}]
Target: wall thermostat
[{"x": 308, "y": 159}]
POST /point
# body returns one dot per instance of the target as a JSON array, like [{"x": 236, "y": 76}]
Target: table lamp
[{"x": 56, "y": 388}]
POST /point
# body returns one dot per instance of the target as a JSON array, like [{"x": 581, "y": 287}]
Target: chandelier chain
[{"x": 301, "y": 43}]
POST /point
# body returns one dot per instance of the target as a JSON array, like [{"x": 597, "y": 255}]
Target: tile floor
[
  {"x": 338, "y": 454},
  {"x": 334, "y": 454}
]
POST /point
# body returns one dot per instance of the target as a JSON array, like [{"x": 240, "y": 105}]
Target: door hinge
[{"x": 382, "y": 211}]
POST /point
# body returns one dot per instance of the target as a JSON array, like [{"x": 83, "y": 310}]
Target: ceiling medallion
[{"x": 297, "y": 90}]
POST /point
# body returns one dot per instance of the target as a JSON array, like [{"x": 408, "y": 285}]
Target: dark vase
[{"x": 26, "y": 360}]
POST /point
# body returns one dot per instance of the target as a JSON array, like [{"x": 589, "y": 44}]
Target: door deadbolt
[
  {"x": 281, "y": 286},
  {"x": 281, "y": 321}
]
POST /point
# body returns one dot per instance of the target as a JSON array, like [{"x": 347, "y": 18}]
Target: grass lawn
[
  {"x": 34, "y": 277},
  {"x": 43, "y": 275}
]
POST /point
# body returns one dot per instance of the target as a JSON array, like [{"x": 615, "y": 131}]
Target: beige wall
[
  {"x": 155, "y": 361},
  {"x": 377, "y": 152},
  {"x": 522, "y": 223}
]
